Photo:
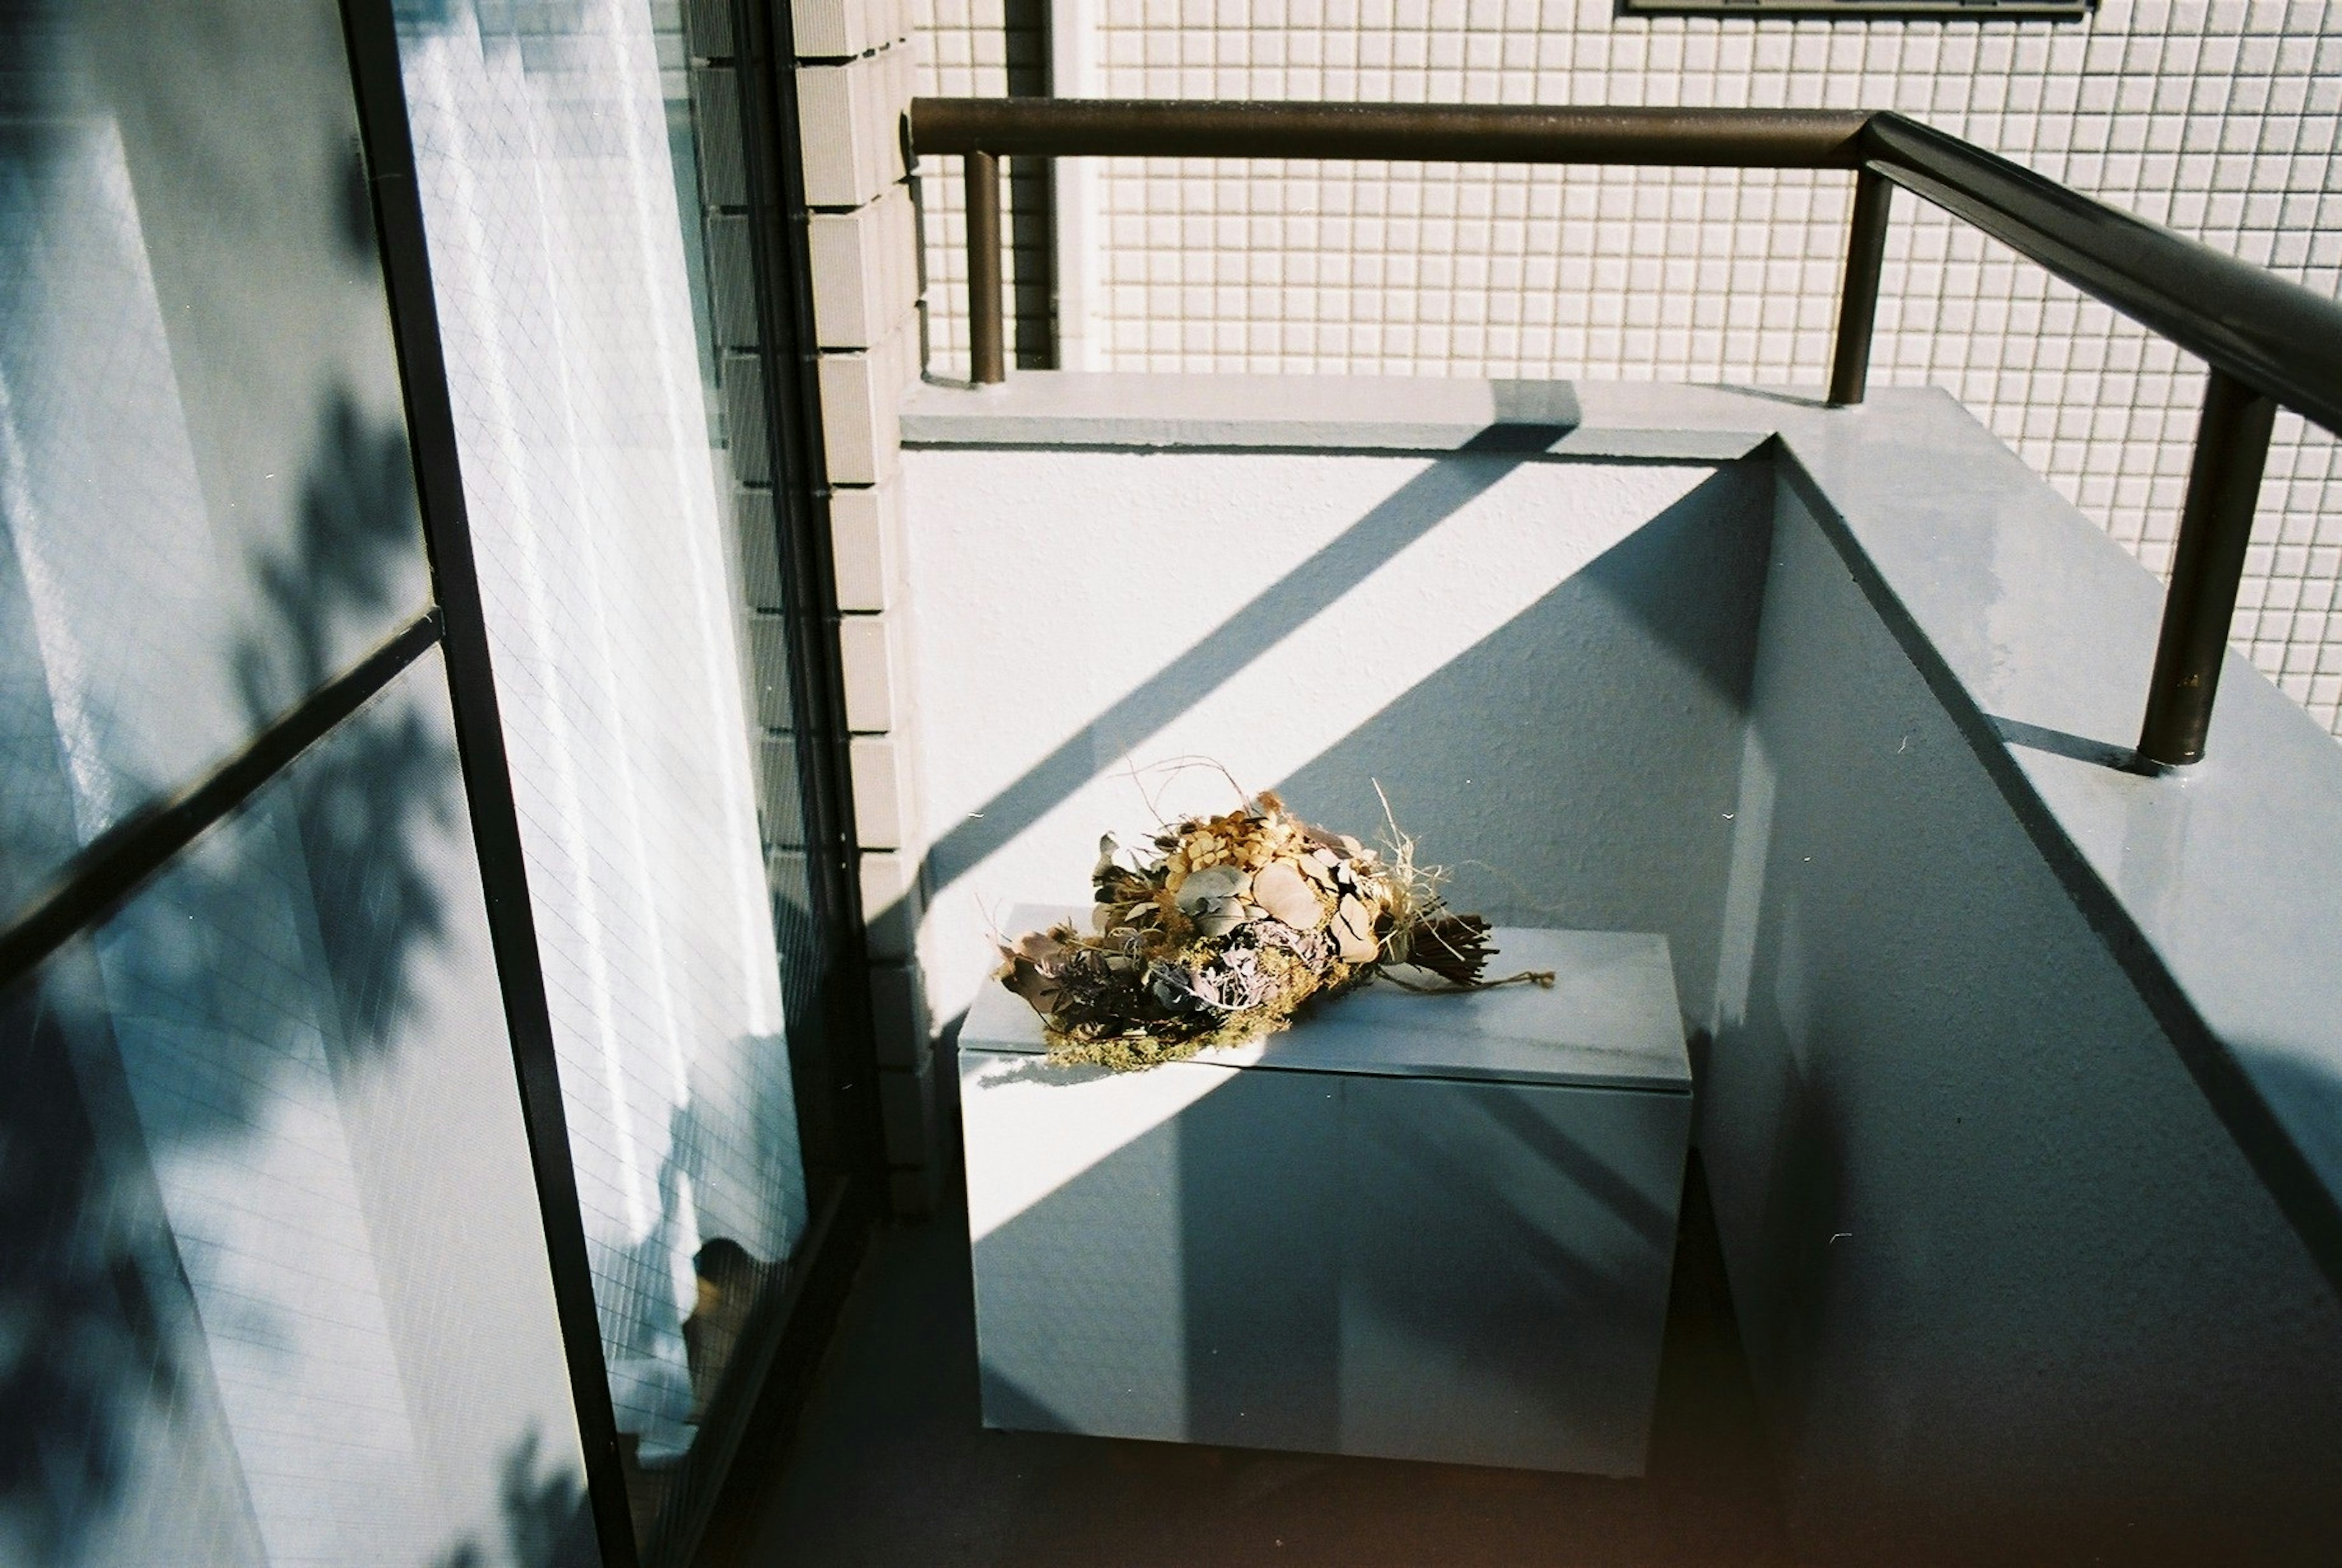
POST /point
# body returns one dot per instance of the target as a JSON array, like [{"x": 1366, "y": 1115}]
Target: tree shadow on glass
[{"x": 165, "y": 1035}]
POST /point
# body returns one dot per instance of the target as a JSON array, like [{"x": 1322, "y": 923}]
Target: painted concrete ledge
[
  {"x": 2220, "y": 888},
  {"x": 1368, "y": 413}
]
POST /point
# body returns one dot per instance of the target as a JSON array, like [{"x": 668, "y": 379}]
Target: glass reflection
[
  {"x": 554, "y": 150},
  {"x": 204, "y": 485},
  {"x": 267, "y": 1214}
]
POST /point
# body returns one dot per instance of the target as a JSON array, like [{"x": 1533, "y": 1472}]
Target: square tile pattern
[
  {"x": 2219, "y": 120},
  {"x": 985, "y": 48}
]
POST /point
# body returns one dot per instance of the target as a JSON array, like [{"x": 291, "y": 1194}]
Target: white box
[
  {"x": 1421, "y": 1227},
  {"x": 836, "y": 29}
]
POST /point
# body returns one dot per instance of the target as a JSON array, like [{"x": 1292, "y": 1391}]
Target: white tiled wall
[
  {"x": 986, "y": 48},
  {"x": 856, "y": 74},
  {"x": 2218, "y": 119}
]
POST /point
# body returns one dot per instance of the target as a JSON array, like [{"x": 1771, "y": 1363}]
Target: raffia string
[{"x": 1543, "y": 979}]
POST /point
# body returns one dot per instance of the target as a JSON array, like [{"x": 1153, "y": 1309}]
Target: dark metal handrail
[
  {"x": 1398, "y": 132},
  {"x": 2269, "y": 343}
]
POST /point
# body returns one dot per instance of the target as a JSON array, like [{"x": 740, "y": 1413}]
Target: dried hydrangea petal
[{"x": 1285, "y": 894}]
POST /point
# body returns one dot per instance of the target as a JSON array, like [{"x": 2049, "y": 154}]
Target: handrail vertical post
[
  {"x": 2216, "y": 525},
  {"x": 987, "y": 364},
  {"x": 1857, "y": 311}
]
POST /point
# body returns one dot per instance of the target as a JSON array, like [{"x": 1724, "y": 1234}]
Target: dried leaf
[
  {"x": 1211, "y": 886},
  {"x": 1285, "y": 894},
  {"x": 1353, "y": 931},
  {"x": 1027, "y": 981}
]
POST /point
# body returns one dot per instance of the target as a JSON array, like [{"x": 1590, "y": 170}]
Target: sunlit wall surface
[
  {"x": 565, "y": 288},
  {"x": 2219, "y": 120},
  {"x": 272, "y": 1271}
]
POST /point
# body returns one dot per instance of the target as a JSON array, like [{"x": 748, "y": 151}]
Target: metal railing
[{"x": 2268, "y": 343}]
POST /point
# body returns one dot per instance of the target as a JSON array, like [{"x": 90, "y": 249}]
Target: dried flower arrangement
[{"x": 1222, "y": 930}]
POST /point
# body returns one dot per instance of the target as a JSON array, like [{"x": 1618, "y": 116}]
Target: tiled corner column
[
  {"x": 854, "y": 80},
  {"x": 740, "y": 418}
]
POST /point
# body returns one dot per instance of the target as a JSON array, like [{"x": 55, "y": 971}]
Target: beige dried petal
[
  {"x": 1282, "y": 892},
  {"x": 1353, "y": 931}
]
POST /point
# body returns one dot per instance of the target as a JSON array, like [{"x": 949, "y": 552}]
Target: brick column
[{"x": 854, "y": 80}]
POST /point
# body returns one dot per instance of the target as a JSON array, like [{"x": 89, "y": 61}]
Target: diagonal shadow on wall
[
  {"x": 1284, "y": 1223},
  {"x": 1407, "y": 514},
  {"x": 1580, "y": 760}
]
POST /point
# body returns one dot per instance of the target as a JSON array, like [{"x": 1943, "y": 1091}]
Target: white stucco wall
[
  {"x": 2009, "y": 1290},
  {"x": 1542, "y": 662}
]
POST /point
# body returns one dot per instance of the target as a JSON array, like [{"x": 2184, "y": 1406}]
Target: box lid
[{"x": 1611, "y": 1019}]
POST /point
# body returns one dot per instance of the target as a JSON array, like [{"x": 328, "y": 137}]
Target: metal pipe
[
  {"x": 988, "y": 362},
  {"x": 1402, "y": 133},
  {"x": 2238, "y": 318},
  {"x": 1857, "y": 311},
  {"x": 2254, "y": 329},
  {"x": 2224, "y": 486}
]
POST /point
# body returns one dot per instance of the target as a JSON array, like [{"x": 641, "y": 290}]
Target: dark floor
[{"x": 892, "y": 1469}]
